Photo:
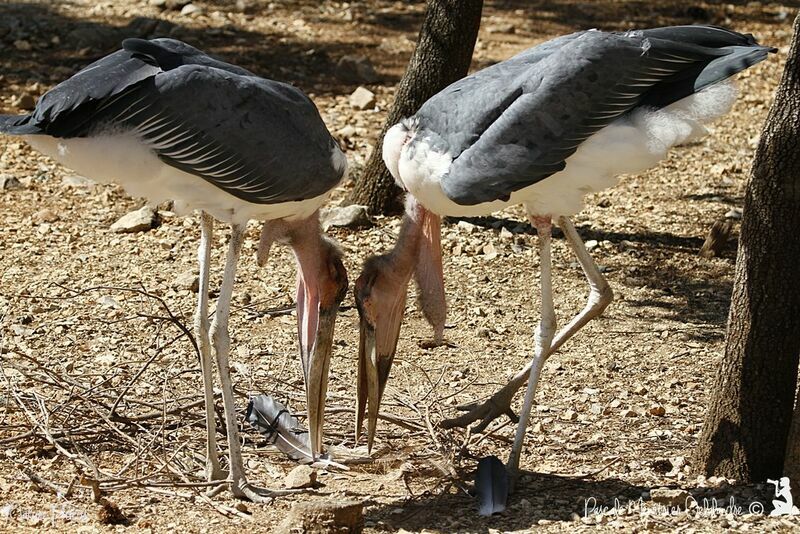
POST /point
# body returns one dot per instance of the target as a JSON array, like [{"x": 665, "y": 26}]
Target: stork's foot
[
  {"x": 245, "y": 490},
  {"x": 485, "y": 412}
]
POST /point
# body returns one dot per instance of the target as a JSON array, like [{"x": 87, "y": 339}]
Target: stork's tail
[
  {"x": 726, "y": 53},
  {"x": 18, "y": 125}
]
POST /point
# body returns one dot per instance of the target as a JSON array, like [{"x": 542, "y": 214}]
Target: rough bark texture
[
  {"x": 791, "y": 466},
  {"x": 746, "y": 428},
  {"x": 443, "y": 54}
]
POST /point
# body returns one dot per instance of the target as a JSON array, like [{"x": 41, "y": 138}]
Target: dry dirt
[{"x": 618, "y": 411}]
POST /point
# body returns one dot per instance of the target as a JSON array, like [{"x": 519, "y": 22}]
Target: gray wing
[
  {"x": 462, "y": 111},
  {"x": 64, "y": 110},
  {"x": 529, "y": 118},
  {"x": 259, "y": 140}
]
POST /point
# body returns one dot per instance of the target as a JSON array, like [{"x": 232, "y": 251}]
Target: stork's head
[
  {"x": 381, "y": 299},
  {"x": 321, "y": 287}
]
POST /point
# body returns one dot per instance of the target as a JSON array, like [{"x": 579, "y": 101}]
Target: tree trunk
[
  {"x": 746, "y": 428},
  {"x": 791, "y": 466},
  {"x": 443, "y": 54}
]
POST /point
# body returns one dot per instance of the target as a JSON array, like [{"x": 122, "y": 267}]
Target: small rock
[
  {"x": 353, "y": 216},
  {"x": 484, "y": 333},
  {"x": 506, "y": 234},
  {"x": 362, "y": 98},
  {"x": 347, "y": 132},
  {"x": 324, "y": 516},
  {"x": 9, "y": 182},
  {"x": 356, "y": 69},
  {"x": 678, "y": 461},
  {"x": 191, "y": 10},
  {"x": 109, "y": 302},
  {"x": 24, "y": 101},
  {"x": 162, "y": 4},
  {"x": 301, "y": 476},
  {"x": 44, "y": 216},
  {"x": 674, "y": 498},
  {"x": 140, "y": 220},
  {"x": 657, "y": 410},
  {"x": 467, "y": 227},
  {"x": 591, "y": 244},
  {"x": 22, "y": 45},
  {"x": 75, "y": 180},
  {"x": 490, "y": 252},
  {"x": 629, "y": 413},
  {"x": 639, "y": 389},
  {"x": 734, "y": 213},
  {"x": 187, "y": 281},
  {"x": 242, "y": 507},
  {"x": 569, "y": 415}
]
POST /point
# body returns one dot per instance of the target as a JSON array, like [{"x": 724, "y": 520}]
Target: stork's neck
[{"x": 404, "y": 256}]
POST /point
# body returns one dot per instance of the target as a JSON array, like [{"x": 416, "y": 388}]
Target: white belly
[
  {"x": 630, "y": 145},
  {"x": 124, "y": 160}
]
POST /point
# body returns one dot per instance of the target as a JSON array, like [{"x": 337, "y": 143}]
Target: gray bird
[
  {"x": 541, "y": 129},
  {"x": 168, "y": 122}
]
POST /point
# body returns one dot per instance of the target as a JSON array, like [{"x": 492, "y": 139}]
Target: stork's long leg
[
  {"x": 213, "y": 469},
  {"x": 544, "y": 334},
  {"x": 600, "y": 296},
  {"x": 222, "y": 342}
]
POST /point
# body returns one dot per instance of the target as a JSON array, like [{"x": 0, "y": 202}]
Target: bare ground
[{"x": 619, "y": 408}]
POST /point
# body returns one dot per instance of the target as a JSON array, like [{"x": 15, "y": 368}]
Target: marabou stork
[
  {"x": 541, "y": 129},
  {"x": 168, "y": 122}
]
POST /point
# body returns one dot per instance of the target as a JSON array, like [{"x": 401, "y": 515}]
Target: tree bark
[
  {"x": 746, "y": 428},
  {"x": 442, "y": 56},
  {"x": 791, "y": 465}
]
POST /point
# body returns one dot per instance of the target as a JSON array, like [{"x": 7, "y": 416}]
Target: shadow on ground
[
  {"x": 40, "y": 44},
  {"x": 538, "y": 497},
  {"x": 545, "y": 498},
  {"x": 706, "y": 297}
]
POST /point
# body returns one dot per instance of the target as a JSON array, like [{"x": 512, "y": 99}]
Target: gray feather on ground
[
  {"x": 491, "y": 486},
  {"x": 279, "y": 426}
]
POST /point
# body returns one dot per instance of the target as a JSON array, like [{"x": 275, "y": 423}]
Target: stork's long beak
[
  {"x": 321, "y": 287},
  {"x": 316, "y": 358},
  {"x": 317, "y": 304},
  {"x": 381, "y": 299},
  {"x": 379, "y": 332}
]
